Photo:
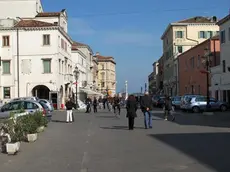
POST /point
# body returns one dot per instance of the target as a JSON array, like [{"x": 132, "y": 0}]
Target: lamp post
[
  {"x": 207, "y": 62},
  {"x": 126, "y": 89},
  {"x": 76, "y": 75}
]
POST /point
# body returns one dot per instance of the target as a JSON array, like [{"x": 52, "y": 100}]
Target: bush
[
  {"x": 28, "y": 123},
  {"x": 40, "y": 119}
]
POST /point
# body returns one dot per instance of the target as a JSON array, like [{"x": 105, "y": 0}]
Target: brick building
[{"x": 191, "y": 62}]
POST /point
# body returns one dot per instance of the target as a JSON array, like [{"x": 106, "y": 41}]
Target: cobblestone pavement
[{"x": 102, "y": 143}]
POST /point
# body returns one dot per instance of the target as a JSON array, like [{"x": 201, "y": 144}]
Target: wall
[
  {"x": 19, "y": 8},
  {"x": 191, "y": 76}
]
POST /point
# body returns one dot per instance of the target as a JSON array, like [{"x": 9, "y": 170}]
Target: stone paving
[{"x": 102, "y": 143}]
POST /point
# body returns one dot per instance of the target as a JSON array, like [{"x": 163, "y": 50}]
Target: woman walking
[
  {"x": 131, "y": 107},
  {"x": 168, "y": 108}
]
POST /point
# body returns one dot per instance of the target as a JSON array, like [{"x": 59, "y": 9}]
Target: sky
[{"x": 130, "y": 30}]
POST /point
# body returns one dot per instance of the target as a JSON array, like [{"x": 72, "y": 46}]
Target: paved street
[{"x": 102, "y": 143}]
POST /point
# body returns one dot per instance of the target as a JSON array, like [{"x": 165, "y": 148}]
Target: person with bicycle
[
  {"x": 168, "y": 108},
  {"x": 116, "y": 104}
]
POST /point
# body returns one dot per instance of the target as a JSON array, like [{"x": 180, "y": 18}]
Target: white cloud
[
  {"x": 79, "y": 26},
  {"x": 126, "y": 37}
]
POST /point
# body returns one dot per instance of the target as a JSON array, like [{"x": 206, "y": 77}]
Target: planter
[
  {"x": 12, "y": 148},
  {"x": 41, "y": 129},
  {"x": 32, "y": 137}
]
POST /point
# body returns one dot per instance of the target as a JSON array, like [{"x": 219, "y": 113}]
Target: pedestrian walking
[
  {"x": 168, "y": 108},
  {"x": 95, "y": 103},
  {"x": 69, "y": 109},
  {"x": 104, "y": 102},
  {"x": 131, "y": 107},
  {"x": 116, "y": 104},
  {"x": 88, "y": 105},
  {"x": 146, "y": 107},
  {"x": 100, "y": 102}
]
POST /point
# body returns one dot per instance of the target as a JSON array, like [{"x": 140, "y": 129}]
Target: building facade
[
  {"x": 20, "y": 8},
  {"x": 106, "y": 75},
  {"x": 221, "y": 81},
  {"x": 39, "y": 67},
  {"x": 180, "y": 37},
  {"x": 160, "y": 75},
  {"x": 192, "y": 67}
]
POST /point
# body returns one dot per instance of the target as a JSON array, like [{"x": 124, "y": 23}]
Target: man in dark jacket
[
  {"x": 88, "y": 105},
  {"x": 146, "y": 107},
  {"x": 69, "y": 106}
]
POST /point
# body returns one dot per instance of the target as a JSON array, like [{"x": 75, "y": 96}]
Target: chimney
[{"x": 97, "y": 53}]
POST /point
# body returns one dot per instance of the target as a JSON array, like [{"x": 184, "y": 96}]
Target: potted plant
[
  {"x": 15, "y": 135},
  {"x": 29, "y": 126},
  {"x": 41, "y": 121}
]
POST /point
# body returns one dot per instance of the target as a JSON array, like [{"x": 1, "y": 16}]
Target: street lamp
[
  {"x": 207, "y": 63},
  {"x": 126, "y": 89},
  {"x": 76, "y": 75}
]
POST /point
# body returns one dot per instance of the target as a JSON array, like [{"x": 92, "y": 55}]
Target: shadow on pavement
[
  {"x": 218, "y": 120},
  {"x": 120, "y": 128},
  {"x": 105, "y": 116},
  {"x": 210, "y": 149},
  {"x": 58, "y": 121}
]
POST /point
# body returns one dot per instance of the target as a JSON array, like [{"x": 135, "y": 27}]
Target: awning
[{"x": 90, "y": 92}]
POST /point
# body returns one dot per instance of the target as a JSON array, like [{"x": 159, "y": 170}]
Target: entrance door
[{"x": 53, "y": 97}]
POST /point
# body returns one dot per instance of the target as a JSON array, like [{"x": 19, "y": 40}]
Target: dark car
[{"x": 160, "y": 102}]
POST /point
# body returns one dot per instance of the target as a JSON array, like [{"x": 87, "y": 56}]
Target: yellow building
[{"x": 106, "y": 74}]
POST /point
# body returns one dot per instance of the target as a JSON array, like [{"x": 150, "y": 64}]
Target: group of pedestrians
[{"x": 146, "y": 107}]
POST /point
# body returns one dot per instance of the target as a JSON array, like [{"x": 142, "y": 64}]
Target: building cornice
[
  {"x": 106, "y": 61},
  {"x": 184, "y": 24},
  {"x": 39, "y": 29}
]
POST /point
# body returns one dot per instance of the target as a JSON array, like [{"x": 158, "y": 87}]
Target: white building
[
  {"x": 20, "y": 8},
  {"x": 221, "y": 74},
  {"x": 82, "y": 56},
  {"x": 36, "y": 57}
]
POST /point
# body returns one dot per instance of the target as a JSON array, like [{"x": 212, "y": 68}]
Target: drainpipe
[{"x": 18, "y": 78}]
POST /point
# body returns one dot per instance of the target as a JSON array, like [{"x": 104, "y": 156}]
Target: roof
[
  {"x": 192, "y": 20},
  {"x": 48, "y": 14},
  {"x": 33, "y": 23},
  {"x": 197, "y": 19},
  {"x": 223, "y": 20},
  {"x": 75, "y": 45},
  {"x": 105, "y": 59}
]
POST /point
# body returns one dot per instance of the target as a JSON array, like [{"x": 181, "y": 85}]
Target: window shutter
[
  {"x": 183, "y": 34},
  {"x": 175, "y": 34},
  {"x": 205, "y": 34},
  {"x": 199, "y": 34}
]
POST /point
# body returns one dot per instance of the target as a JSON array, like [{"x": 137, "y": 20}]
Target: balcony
[{"x": 68, "y": 78}]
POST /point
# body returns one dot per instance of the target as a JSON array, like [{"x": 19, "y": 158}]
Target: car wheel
[
  {"x": 223, "y": 108},
  {"x": 196, "y": 109}
]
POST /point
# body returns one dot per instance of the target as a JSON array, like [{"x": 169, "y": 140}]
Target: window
[
  {"x": 179, "y": 34},
  {"x": 217, "y": 95},
  {"x": 202, "y": 34},
  {"x": 65, "y": 46},
  {"x": 31, "y": 105},
  {"x": 6, "y": 67},
  {"x": 103, "y": 84},
  {"x": 209, "y": 34},
  {"x": 6, "y": 41},
  {"x": 103, "y": 67},
  {"x": 222, "y": 36},
  {"x": 46, "y": 39},
  {"x": 192, "y": 62},
  {"x": 198, "y": 61},
  {"x": 180, "y": 49},
  {"x": 229, "y": 33},
  {"x": 6, "y": 92},
  {"x": 47, "y": 66},
  {"x": 224, "y": 66},
  {"x": 62, "y": 43}
]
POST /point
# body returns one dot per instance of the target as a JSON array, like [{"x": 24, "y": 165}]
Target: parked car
[
  {"x": 47, "y": 111},
  {"x": 199, "y": 103},
  {"x": 48, "y": 104},
  {"x": 26, "y": 98},
  {"x": 160, "y": 102},
  {"x": 27, "y": 105},
  {"x": 176, "y": 101},
  {"x": 185, "y": 99}
]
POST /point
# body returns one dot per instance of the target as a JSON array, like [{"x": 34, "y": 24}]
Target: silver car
[
  {"x": 26, "y": 98},
  {"x": 47, "y": 103},
  {"x": 27, "y": 105}
]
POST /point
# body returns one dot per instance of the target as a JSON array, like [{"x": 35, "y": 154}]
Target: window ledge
[
  {"x": 46, "y": 45},
  {"x": 6, "y": 74},
  {"x": 47, "y": 73},
  {"x": 5, "y": 46}
]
